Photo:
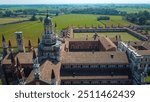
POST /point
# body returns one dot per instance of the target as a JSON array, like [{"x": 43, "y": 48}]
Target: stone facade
[
  {"x": 20, "y": 42},
  {"x": 49, "y": 47}
]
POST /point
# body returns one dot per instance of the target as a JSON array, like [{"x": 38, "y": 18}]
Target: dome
[{"x": 48, "y": 20}]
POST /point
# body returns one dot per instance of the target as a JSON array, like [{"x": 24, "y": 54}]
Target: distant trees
[
  {"x": 16, "y": 13},
  {"x": 103, "y": 18},
  {"x": 103, "y": 11},
  {"x": 41, "y": 19},
  {"x": 141, "y": 18},
  {"x": 33, "y": 18},
  {"x": 6, "y": 13}
]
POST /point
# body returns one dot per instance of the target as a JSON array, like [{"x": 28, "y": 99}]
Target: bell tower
[
  {"x": 48, "y": 25},
  {"x": 49, "y": 47},
  {"x": 20, "y": 42}
]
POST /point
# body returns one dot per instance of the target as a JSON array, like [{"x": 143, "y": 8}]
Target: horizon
[
  {"x": 53, "y": 2},
  {"x": 85, "y": 4}
]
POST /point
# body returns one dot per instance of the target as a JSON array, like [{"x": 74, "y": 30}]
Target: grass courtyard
[{"x": 124, "y": 36}]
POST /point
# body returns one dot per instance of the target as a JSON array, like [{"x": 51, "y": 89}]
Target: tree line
[
  {"x": 103, "y": 11},
  {"x": 140, "y": 18}
]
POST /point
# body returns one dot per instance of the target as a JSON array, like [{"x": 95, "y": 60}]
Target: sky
[{"x": 70, "y": 1}]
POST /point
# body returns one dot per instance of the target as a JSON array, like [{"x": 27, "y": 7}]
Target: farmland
[
  {"x": 124, "y": 36},
  {"x": 133, "y": 10},
  {"x": 8, "y": 20},
  {"x": 33, "y": 29}
]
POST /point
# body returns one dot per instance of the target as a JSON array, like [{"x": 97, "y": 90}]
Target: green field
[
  {"x": 0, "y": 82},
  {"x": 125, "y": 36},
  {"x": 82, "y": 19},
  {"x": 147, "y": 79},
  {"x": 33, "y": 29},
  {"x": 133, "y": 10},
  {"x": 8, "y": 20}
]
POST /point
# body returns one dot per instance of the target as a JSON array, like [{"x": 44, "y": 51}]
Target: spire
[
  {"x": 12, "y": 58},
  {"x": 18, "y": 62},
  {"x": 53, "y": 74},
  {"x": 34, "y": 54},
  {"x": 3, "y": 38},
  {"x": 29, "y": 46},
  {"x": 38, "y": 40},
  {"x": 9, "y": 44},
  {"x": 29, "y": 43}
]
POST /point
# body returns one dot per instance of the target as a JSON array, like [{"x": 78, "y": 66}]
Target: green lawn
[
  {"x": 82, "y": 19},
  {"x": 147, "y": 79},
  {"x": 133, "y": 10},
  {"x": 0, "y": 82},
  {"x": 125, "y": 36},
  {"x": 33, "y": 29},
  {"x": 8, "y": 20}
]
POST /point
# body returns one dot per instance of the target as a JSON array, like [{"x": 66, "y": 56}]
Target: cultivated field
[
  {"x": 8, "y": 20},
  {"x": 86, "y": 19},
  {"x": 33, "y": 29},
  {"x": 124, "y": 36},
  {"x": 133, "y": 10}
]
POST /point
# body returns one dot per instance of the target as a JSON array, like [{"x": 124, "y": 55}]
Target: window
[
  {"x": 120, "y": 66},
  {"x": 85, "y": 66},
  {"x": 93, "y": 66},
  {"x": 112, "y": 66},
  {"x": 146, "y": 59},
  {"x": 103, "y": 66}
]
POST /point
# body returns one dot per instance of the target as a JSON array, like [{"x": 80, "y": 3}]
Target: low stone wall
[
  {"x": 91, "y": 30},
  {"x": 137, "y": 35}
]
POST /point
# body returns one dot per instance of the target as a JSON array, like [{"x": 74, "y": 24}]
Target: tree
[
  {"x": 33, "y": 18},
  {"x": 41, "y": 19},
  {"x": 8, "y": 13}
]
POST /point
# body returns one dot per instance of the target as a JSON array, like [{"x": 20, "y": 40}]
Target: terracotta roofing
[
  {"x": 145, "y": 44},
  {"x": 111, "y": 57},
  {"x": 46, "y": 71},
  {"x": 24, "y": 58},
  {"x": 93, "y": 77},
  {"x": 107, "y": 43},
  {"x": 144, "y": 52}
]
